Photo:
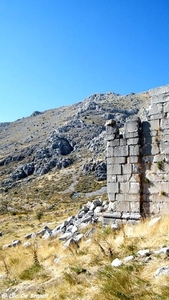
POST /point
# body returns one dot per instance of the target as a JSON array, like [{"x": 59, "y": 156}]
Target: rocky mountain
[{"x": 64, "y": 145}]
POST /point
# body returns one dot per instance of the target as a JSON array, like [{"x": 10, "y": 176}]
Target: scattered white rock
[
  {"x": 144, "y": 252},
  {"x": 116, "y": 263},
  {"x": 154, "y": 221},
  {"x": 162, "y": 271},
  {"x": 65, "y": 236},
  {"x": 27, "y": 244},
  {"x": 128, "y": 258},
  {"x": 162, "y": 250}
]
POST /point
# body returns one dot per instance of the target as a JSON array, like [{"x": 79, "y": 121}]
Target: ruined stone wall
[{"x": 138, "y": 163}]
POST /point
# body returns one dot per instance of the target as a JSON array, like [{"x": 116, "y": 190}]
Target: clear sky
[{"x": 59, "y": 52}]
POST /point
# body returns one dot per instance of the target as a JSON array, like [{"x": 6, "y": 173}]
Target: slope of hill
[{"x": 66, "y": 143}]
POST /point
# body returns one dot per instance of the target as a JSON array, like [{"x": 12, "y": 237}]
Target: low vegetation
[{"x": 84, "y": 271}]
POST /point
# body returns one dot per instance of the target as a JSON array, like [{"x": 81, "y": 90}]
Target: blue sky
[{"x": 58, "y": 52}]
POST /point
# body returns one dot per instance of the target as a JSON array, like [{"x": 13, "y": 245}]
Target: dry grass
[{"x": 85, "y": 272}]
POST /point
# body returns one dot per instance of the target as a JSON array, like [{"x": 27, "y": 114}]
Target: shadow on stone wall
[{"x": 146, "y": 162}]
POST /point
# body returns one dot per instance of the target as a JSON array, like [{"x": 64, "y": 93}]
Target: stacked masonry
[{"x": 138, "y": 163}]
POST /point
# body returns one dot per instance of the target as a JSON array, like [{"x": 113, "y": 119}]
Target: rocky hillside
[{"x": 71, "y": 137}]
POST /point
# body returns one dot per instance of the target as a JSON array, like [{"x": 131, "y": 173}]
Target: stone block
[
  {"x": 111, "y": 178},
  {"x": 110, "y": 137},
  {"x": 123, "y": 142},
  {"x": 112, "y": 129},
  {"x": 133, "y": 141},
  {"x": 136, "y": 168},
  {"x": 132, "y": 197},
  {"x": 122, "y": 206},
  {"x": 114, "y": 169},
  {"x": 126, "y": 215},
  {"x": 131, "y": 126},
  {"x": 123, "y": 178},
  {"x": 155, "y": 149},
  {"x": 121, "y": 151},
  {"x": 113, "y": 187},
  {"x": 119, "y": 160},
  {"x": 165, "y": 138},
  {"x": 156, "y": 109},
  {"x": 126, "y": 169},
  {"x": 166, "y": 107},
  {"x": 164, "y": 123},
  {"x": 134, "y": 150},
  {"x": 165, "y": 148},
  {"x": 158, "y": 157},
  {"x": 154, "y": 125},
  {"x": 134, "y": 188},
  {"x": 120, "y": 197},
  {"x": 135, "y": 215},
  {"x": 124, "y": 187},
  {"x": 115, "y": 142},
  {"x": 130, "y": 135},
  {"x": 156, "y": 117},
  {"x": 133, "y": 159},
  {"x": 161, "y": 98},
  {"x": 110, "y": 151},
  {"x": 135, "y": 178}
]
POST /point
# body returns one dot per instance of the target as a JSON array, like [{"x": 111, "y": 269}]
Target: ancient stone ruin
[{"x": 138, "y": 163}]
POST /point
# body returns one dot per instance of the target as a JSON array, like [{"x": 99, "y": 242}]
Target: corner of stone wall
[{"x": 123, "y": 171}]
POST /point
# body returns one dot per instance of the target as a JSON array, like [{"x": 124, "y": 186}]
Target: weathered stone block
[
  {"x": 156, "y": 117},
  {"x": 161, "y": 98},
  {"x": 112, "y": 129},
  {"x": 126, "y": 215},
  {"x": 156, "y": 109},
  {"x": 133, "y": 159},
  {"x": 134, "y": 188},
  {"x": 111, "y": 178},
  {"x": 119, "y": 160},
  {"x": 126, "y": 169},
  {"x": 132, "y": 197},
  {"x": 164, "y": 123},
  {"x": 123, "y": 142},
  {"x": 166, "y": 107},
  {"x": 110, "y": 151},
  {"x": 134, "y": 150},
  {"x": 113, "y": 143},
  {"x": 124, "y": 187},
  {"x": 131, "y": 126},
  {"x": 135, "y": 178},
  {"x": 133, "y": 141},
  {"x": 122, "y": 206},
  {"x": 113, "y": 187},
  {"x": 136, "y": 168},
  {"x": 110, "y": 137},
  {"x": 123, "y": 178},
  {"x": 121, "y": 151},
  {"x": 130, "y": 135},
  {"x": 114, "y": 169},
  {"x": 155, "y": 149},
  {"x": 120, "y": 197},
  {"x": 154, "y": 125},
  {"x": 135, "y": 215},
  {"x": 112, "y": 197},
  {"x": 165, "y": 148}
]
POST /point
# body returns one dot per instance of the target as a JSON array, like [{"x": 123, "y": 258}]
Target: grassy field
[{"x": 84, "y": 271}]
